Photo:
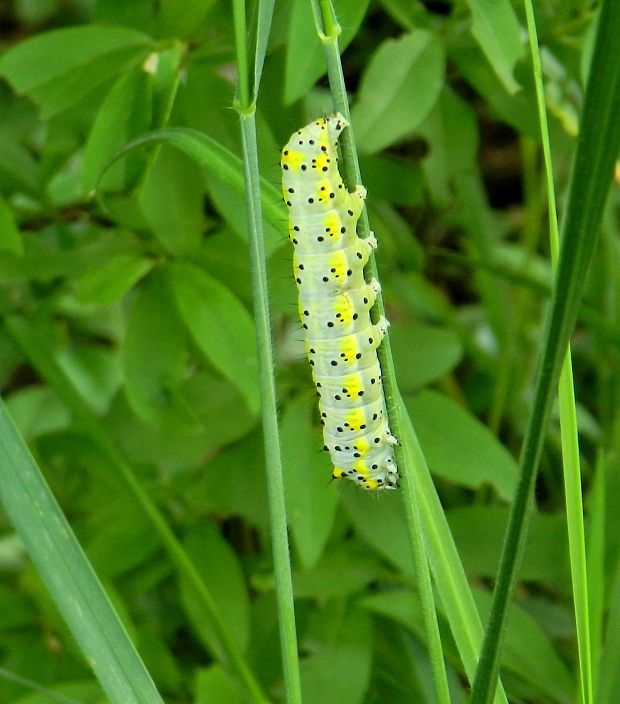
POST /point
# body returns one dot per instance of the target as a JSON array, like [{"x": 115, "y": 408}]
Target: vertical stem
[
  {"x": 271, "y": 434},
  {"x": 275, "y": 482},
  {"x": 328, "y": 30}
]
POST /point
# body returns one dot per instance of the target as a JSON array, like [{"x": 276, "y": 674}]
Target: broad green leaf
[
  {"x": 398, "y": 89},
  {"x": 182, "y": 18},
  {"x": 478, "y": 532},
  {"x": 394, "y": 180},
  {"x": 423, "y": 353},
  {"x": 111, "y": 280},
  {"x": 67, "y": 573},
  {"x": 380, "y": 524},
  {"x": 458, "y": 447},
  {"x": 217, "y": 405},
  {"x": 220, "y": 325},
  {"x": 305, "y": 62},
  {"x": 219, "y": 566},
  {"x": 340, "y": 641},
  {"x": 452, "y": 134},
  {"x": 18, "y": 169},
  {"x": 225, "y": 177},
  {"x": 10, "y": 239},
  {"x": 341, "y": 571},
  {"x": 213, "y": 686},
  {"x": 497, "y": 31},
  {"x": 124, "y": 114},
  {"x": 84, "y": 58},
  {"x": 118, "y": 539},
  {"x": 94, "y": 371},
  {"x": 311, "y": 502},
  {"x": 172, "y": 201},
  {"x": 155, "y": 356}
]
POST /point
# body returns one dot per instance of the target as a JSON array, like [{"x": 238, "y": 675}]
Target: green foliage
[{"x": 130, "y": 361}]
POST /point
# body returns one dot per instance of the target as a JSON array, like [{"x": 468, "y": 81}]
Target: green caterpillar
[{"x": 334, "y": 305}]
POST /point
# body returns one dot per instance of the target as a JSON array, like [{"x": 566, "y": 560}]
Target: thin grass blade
[
  {"x": 568, "y": 412},
  {"x": 68, "y": 574},
  {"x": 591, "y": 178}
]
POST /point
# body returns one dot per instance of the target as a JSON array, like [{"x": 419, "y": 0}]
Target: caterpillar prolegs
[{"x": 334, "y": 305}]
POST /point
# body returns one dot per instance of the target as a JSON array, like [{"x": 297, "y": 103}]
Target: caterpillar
[{"x": 334, "y": 305}]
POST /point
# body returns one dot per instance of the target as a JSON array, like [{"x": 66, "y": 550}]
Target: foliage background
[{"x": 103, "y": 300}]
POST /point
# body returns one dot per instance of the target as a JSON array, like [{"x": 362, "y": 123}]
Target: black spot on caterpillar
[{"x": 334, "y": 305}]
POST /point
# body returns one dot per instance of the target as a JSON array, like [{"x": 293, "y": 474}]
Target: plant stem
[
  {"x": 328, "y": 30},
  {"x": 271, "y": 435}
]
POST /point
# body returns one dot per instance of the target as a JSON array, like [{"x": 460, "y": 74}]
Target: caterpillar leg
[
  {"x": 371, "y": 241},
  {"x": 354, "y": 202},
  {"x": 381, "y": 327}
]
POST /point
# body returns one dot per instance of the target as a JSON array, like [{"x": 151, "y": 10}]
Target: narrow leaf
[{"x": 67, "y": 573}]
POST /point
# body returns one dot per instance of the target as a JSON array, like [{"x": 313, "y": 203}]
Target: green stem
[
  {"x": 269, "y": 409},
  {"x": 243, "y": 85},
  {"x": 328, "y": 30},
  {"x": 273, "y": 460}
]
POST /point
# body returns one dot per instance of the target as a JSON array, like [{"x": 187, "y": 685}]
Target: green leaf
[
  {"x": 124, "y": 114},
  {"x": 154, "y": 358},
  {"x": 182, "y": 18},
  {"x": 220, "y": 325},
  {"x": 119, "y": 539},
  {"x": 111, "y": 280},
  {"x": 458, "y": 447},
  {"x": 172, "y": 201},
  {"x": 84, "y": 58},
  {"x": 380, "y": 524},
  {"x": 225, "y": 176},
  {"x": 341, "y": 571},
  {"x": 213, "y": 686},
  {"x": 398, "y": 89},
  {"x": 436, "y": 351},
  {"x": 10, "y": 238},
  {"x": 452, "y": 135},
  {"x": 219, "y": 566},
  {"x": 497, "y": 31},
  {"x": 67, "y": 573},
  {"x": 340, "y": 642},
  {"x": 311, "y": 503},
  {"x": 478, "y": 532},
  {"x": 18, "y": 169},
  {"x": 304, "y": 59}
]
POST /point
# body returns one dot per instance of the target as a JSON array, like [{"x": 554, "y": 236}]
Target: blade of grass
[
  {"x": 568, "y": 411},
  {"x": 596, "y": 565},
  {"x": 590, "y": 181},
  {"x": 68, "y": 574},
  {"x": 271, "y": 436},
  {"x": 421, "y": 501},
  {"x": 36, "y": 350}
]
